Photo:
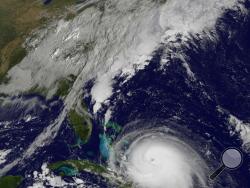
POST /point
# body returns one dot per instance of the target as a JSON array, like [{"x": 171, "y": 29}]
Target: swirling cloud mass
[{"x": 156, "y": 158}]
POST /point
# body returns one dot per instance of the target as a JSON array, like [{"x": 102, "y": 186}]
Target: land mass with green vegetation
[
  {"x": 10, "y": 181},
  {"x": 76, "y": 166},
  {"x": 81, "y": 124},
  {"x": 18, "y": 18},
  {"x": 64, "y": 86},
  {"x": 73, "y": 167}
]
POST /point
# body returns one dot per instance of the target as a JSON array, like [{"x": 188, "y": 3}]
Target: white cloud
[
  {"x": 242, "y": 128},
  {"x": 3, "y": 155}
]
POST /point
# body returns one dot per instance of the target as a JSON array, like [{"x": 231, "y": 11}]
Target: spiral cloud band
[{"x": 154, "y": 158}]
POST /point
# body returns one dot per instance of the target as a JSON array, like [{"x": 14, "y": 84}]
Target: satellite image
[{"x": 124, "y": 94}]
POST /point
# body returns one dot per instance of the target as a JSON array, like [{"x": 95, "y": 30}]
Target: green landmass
[
  {"x": 10, "y": 181},
  {"x": 38, "y": 90},
  {"x": 81, "y": 124},
  {"x": 73, "y": 167},
  {"x": 112, "y": 130},
  {"x": 70, "y": 16},
  {"x": 116, "y": 127},
  {"x": 18, "y": 18},
  {"x": 64, "y": 86},
  {"x": 17, "y": 55},
  {"x": 77, "y": 166}
]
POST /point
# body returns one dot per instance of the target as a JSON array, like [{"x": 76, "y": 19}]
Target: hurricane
[{"x": 156, "y": 156}]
